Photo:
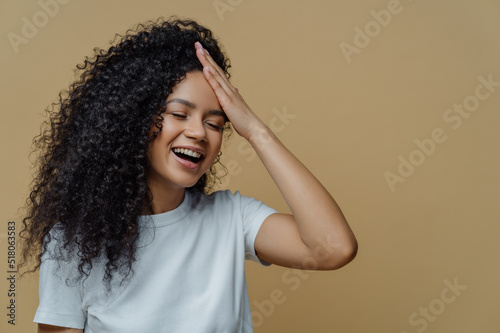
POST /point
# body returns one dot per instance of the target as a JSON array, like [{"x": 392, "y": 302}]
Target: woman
[{"x": 125, "y": 235}]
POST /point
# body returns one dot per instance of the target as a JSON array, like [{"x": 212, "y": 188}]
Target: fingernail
[{"x": 198, "y": 44}]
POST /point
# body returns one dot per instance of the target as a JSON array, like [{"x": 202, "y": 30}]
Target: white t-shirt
[{"x": 189, "y": 275}]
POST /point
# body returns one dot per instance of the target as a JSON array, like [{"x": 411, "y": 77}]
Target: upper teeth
[{"x": 188, "y": 152}]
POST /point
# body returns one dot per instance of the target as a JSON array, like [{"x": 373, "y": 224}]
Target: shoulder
[
  {"x": 224, "y": 194},
  {"x": 227, "y": 195},
  {"x": 223, "y": 200},
  {"x": 54, "y": 241},
  {"x": 216, "y": 198},
  {"x": 214, "y": 202},
  {"x": 234, "y": 199},
  {"x": 239, "y": 204}
]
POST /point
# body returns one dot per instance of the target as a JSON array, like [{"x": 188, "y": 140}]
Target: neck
[{"x": 166, "y": 200}]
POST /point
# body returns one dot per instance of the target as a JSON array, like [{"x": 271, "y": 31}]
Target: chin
[{"x": 188, "y": 183}]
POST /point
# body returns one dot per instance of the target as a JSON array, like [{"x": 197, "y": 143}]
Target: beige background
[{"x": 350, "y": 118}]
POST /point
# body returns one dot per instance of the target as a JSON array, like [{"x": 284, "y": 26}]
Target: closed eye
[
  {"x": 179, "y": 115},
  {"x": 219, "y": 128}
]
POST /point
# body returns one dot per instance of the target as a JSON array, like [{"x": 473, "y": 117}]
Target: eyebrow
[{"x": 193, "y": 106}]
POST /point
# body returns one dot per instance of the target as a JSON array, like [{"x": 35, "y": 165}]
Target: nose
[{"x": 195, "y": 130}]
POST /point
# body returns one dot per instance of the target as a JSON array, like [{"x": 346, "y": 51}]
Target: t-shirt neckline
[{"x": 170, "y": 217}]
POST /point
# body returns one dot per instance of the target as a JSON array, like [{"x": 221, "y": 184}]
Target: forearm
[
  {"x": 317, "y": 219},
  {"x": 317, "y": 215}
]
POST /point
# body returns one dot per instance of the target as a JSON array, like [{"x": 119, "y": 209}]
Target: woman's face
[{"x": 191, "y": 136}]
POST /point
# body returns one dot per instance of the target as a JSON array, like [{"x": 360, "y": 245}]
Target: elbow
[
  {"x": 342, "y": 256},
  {"x": 349, "y": 253}
]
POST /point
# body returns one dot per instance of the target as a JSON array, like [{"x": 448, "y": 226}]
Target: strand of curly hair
[{"x": 92, "y": 170}]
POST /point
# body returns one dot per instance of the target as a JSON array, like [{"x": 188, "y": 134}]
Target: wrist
[{"x": 260, "y": 136}]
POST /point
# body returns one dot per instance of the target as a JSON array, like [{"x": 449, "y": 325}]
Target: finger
[
  {"x": 207, "y": 60},
  {"x": 217, "y": 80},
  {"x": 222, "y": 91},
  {"x": 203, "y": 55},
  {"x": 203, "y": 58},
  {"x": 216, "y": 77},
  {"x": 200, "y": 54}
]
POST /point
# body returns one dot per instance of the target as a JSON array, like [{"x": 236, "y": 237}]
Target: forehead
[{"x": 195, "y": 89}]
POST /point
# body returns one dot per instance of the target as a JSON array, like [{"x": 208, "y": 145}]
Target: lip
[{"x": 188, "y": 164}]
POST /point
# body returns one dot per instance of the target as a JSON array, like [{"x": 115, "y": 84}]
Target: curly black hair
[{"x": 92, "y": 169}]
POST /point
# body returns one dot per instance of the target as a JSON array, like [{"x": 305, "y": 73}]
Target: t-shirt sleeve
[
  {"x": 253, "y": 212},
  {"x": 60, "y": 298}
]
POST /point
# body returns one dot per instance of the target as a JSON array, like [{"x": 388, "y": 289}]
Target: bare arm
[
  {"x": 316, "y": 235},
  {"x": 42, "y": 328}
]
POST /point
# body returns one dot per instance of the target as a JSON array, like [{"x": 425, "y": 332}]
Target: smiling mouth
[{"x": 188, "y": 155}]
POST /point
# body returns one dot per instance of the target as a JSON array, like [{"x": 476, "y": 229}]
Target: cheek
[
  {"x": 152, "y": 154},
  {"x": 157, "y": 148},
  {"x": 217, "y": 142},
  {"x": 215, "y": 146}
]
